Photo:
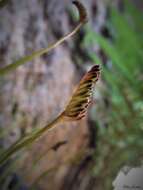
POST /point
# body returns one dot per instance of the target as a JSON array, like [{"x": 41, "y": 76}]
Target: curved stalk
[
  {"x": 23, "y": 60},
  {"x": 28, "y": 139}
]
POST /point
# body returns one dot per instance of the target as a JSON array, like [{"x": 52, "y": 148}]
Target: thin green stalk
[
  {"x": 38, "y": 53},
  {"x": 82, "y": 21},
  {"x": 28, "y": 139}
]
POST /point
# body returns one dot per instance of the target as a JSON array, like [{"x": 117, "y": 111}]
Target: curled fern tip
[{"x": 82, "y": 11}]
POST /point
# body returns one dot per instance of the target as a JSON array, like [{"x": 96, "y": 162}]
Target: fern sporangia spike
[
  {"x": 75, "y": 110},
  {"x": 77, "y": 107}
]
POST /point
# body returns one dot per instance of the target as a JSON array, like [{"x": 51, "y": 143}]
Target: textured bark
[{"x": 36, "y": 92}]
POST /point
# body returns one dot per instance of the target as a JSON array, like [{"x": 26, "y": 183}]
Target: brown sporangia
[{"x": 77, "y": 107}]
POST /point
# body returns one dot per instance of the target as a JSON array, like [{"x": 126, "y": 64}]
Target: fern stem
[
  {"x": 38, "y": 53},
  {"x": 28, "y": 139}
]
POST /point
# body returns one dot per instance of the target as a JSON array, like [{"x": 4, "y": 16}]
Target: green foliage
[{"x": 120, "y": 128}]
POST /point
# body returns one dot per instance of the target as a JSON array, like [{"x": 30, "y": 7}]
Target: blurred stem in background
[{"x": 28, "y": 58}]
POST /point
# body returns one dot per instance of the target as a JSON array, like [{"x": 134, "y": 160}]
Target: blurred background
[{"x": 83, "y": 155}]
